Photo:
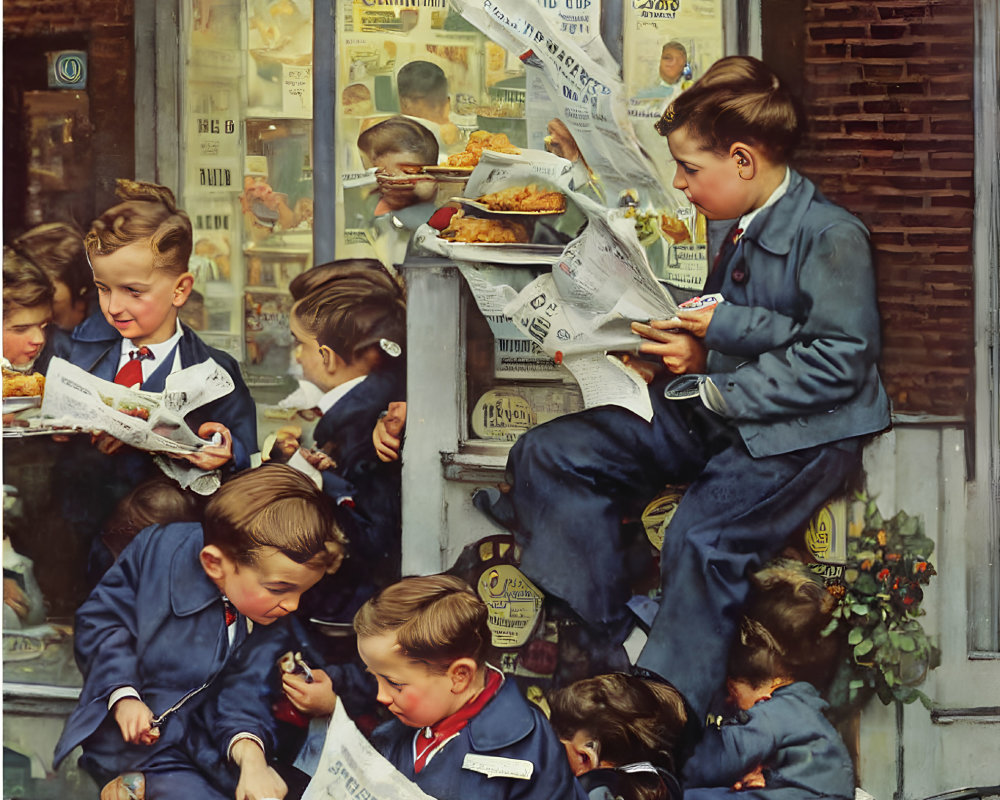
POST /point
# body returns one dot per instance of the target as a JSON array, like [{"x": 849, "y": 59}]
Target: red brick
[
  {"x": 912, "y": 11},
  {"x": 836, "y": 32},
  {"x": 889, "y": 31}
]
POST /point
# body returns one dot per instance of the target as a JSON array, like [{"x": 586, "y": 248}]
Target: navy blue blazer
[
  {"x": 793, "y": 348},
  {"x": 788, "y": 734},
  {"x": 95, "y": 346},
  {"x": 345, "y": 432},
  {"x": 156, "y": 622},
  {"x": 508, "y": 727}
]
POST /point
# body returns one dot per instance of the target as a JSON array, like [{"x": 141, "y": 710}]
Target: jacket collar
[
  {"x": 198, "y": 590},
  {"x": 504, "y": 720},
  {"x": 790, "y": 209}
]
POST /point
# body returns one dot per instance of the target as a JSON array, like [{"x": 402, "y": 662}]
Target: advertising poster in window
[
  {"x": 420, "y": 61},
  {"x": 668, "y": 44}
]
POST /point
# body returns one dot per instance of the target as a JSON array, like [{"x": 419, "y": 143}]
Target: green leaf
[
  {"x": 855, "y": 636},
  {"x": 863, "y": 648},
  {"x": 905, "y": 643},
  {"x": 865, "y": 584},
  {"x": 860, "y": 609},
  {"x": 890, "y": 678},
  {"x": 857, "y": 683}
]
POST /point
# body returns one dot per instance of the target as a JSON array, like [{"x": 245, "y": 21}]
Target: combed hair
[
  {"x": 436, "y": 619},
  {"x": 422, "y": 80},
  {"x": 158, "y": 501},
  {"x": 274, "y": 506},
  {"x": 149, "y": 213},
  {"x": 353, "y": 309},
  {"x": 304, "y": 283},
  {"x": 739, "y": 98},
  {"x": 675, "y": 45},
  {"x": 630, "y": 718},
  {"x": 57, "y": 247},
  {"x": 781, "y": 634},
  {"x": 399, "y": 135},
  {"x": 25, "y": 284}
]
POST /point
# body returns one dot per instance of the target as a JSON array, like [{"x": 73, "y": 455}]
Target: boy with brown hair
[
  {"x": 170, "y": 631},
  {"x": 774, "y": 741},
  {"x": 425, "y": 639}
]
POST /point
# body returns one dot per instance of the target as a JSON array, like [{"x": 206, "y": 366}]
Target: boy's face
[
  {"x": 709, "y": 180},
  {"x": 24, "y": 333},
  {"x": 308, "y": 354},
  {"x": 140, "y": 302},
  {"x": 416, "y": 695},
  {"x": 399, "y": 180},
  {"x": 267, "y": 591},
  {"x": 671, "y": 65}
]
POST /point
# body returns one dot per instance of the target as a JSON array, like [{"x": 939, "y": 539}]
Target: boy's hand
[
  {"x": 318, "y": 459},
  {"x": 694, "y": 321},
  {"x": 752, "y": 780},
  {"x": 135, "y": 721},
  {"x": 257, "y": 780},
  {"x": 386, "y": 435},
  {"x": 682, "y": 353},
  {"x": 15, "y": 597},
  {"x": 647, "y": 369},
  {"x": 106, "y": 443},
  {"x": 317, "y": 699},
  {"x": 212, "y": 456}
]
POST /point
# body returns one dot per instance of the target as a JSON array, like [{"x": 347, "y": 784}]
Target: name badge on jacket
[{"x": 498, "y": 766}]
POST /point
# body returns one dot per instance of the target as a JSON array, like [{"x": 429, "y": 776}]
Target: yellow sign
[
  {"x": 514, "y": 604},
  {"x": 826, "y": 534}
]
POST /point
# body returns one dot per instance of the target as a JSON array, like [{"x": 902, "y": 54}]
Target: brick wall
[
  {"x": 104, "y": 29},
  {"x": 888, "y": 92}
]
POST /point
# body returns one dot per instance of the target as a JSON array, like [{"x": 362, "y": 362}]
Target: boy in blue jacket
[
  {"x": 771, "y": 396},
  {"x": 458, "y": 720},
  {"x": 138, "y": 251},
  {"x": 774, "y": 742},
  {"x": 181, "y": 623}
]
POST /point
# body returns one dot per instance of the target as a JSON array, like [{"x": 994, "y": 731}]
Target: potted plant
[{"x": 888, "y": 652}]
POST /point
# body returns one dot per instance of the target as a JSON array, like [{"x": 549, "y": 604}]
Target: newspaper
[
  {"x": 152, "y": 421},
  {"x": 351, "y": 769}
]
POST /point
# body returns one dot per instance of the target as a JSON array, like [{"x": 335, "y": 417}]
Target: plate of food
[
  {"x": 444, "y": 171},
  {"x": 21, "y": 390},
  {"x": 524, "y": 200}
]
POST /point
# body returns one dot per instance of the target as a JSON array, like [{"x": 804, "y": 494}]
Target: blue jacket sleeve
[
  {"x": 832, "y": 351},
  {"x": 107, "y": 625},
  {"x": 727, "y": 754}
]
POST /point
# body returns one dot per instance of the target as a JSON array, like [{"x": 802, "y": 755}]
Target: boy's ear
[
  {"x": 213, "y": 561},
  {"x": 182, "y": 289},
  {"x": 745, "y": 159},
  {"x": 331, "y": 361},
  {"x": 462, "y": 671}
]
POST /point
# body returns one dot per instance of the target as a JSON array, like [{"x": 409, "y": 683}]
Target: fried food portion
[
  {"x": 479, "y": 141},
  {"x": 525, "y": 198},
  {"x": 674, "y": 230},
  {"x": 473, "y": 229},
  {"x": 17, "y": 384}
]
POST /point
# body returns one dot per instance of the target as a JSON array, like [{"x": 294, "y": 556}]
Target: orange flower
[{"x": 880, "y": 537}]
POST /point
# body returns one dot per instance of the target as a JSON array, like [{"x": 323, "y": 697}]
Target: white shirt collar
[
  {"x": 329, "y": 400},
  {"x": 160, "y": 351},
  {"x": 776, "y": 195}
]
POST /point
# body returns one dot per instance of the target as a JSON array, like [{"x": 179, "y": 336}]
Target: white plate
[
  {"x": 465, "y": 201},
  {"x": 11, "y": 405}
]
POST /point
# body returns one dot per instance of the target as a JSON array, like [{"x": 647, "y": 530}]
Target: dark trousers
[{"x": 572, "y": 479}]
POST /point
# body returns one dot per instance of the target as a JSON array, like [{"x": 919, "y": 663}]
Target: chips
[
  {"x": 17, "y": 384},
  {"x": 525, "y": 198}
]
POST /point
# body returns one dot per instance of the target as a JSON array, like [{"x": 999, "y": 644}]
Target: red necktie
[{"x": 131, "y": 372}]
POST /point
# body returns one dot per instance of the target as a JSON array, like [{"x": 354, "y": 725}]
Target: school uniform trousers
[{"x": 792, "y": 352}]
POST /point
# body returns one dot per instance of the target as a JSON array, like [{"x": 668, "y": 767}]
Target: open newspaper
[
  {"x": 350, "y": 768},
  {"x": 582, "y": 308},
  {"x": 153, "y": 421}
]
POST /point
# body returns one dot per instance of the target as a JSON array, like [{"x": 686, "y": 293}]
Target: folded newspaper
[
  {"x": 153, "y": 421},
  {"x": 350, "y": 768},
  {"x": 582, "y": 308}
]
